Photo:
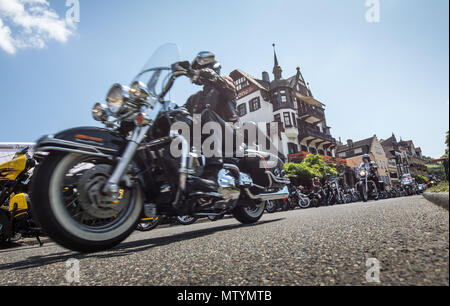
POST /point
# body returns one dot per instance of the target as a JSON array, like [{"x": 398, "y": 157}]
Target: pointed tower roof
[{"x": 277, "y": 71}]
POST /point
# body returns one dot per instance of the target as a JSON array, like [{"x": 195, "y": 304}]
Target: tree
[
  {"x": 447, "y": 142},
  {"x": 311, "y": 167},
  {"x": 420, "y": 179}
]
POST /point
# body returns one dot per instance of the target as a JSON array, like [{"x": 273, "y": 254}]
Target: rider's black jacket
[{"x": 218, "y": 95}]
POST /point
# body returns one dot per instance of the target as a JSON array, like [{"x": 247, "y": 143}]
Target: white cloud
[{"x": 30, "y": 24}]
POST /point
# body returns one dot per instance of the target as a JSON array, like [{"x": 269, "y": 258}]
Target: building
[
  {"x": 395, "y": 157},
  {"x": 414, "y": 158},
  {"x": 289, "y": 102},
  {"x": 7, "y": 150},
  {"x": 354, "y": 151}
]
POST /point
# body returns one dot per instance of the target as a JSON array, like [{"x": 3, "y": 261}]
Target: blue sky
[{"x": 375, "y": 78}]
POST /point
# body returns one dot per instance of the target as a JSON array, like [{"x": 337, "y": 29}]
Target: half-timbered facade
[{"x": 301, "y": 118}]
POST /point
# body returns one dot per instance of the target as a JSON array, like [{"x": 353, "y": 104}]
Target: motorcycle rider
[
  {"x": 365, "y": 162},
  {"x": 215, "y": 103},
  {"x": 371, "y": 168},
  {"x": 317, "y": 188}
]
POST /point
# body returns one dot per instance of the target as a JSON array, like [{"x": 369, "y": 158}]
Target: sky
[{"x": 384, "y": 77}]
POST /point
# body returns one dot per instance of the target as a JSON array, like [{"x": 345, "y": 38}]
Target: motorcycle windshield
[{"x": 156, "y": 71}]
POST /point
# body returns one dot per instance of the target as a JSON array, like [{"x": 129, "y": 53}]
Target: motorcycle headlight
[
  {"x": 116, "y": 97},
  {"x": 99, "y": 112},
  {"x": 333, "y": 185},
  {"x": 138, "y": 90},
  {"x": 363, "y": 173}
]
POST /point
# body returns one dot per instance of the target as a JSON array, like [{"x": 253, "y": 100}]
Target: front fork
[{"x": 112, "y": 186}]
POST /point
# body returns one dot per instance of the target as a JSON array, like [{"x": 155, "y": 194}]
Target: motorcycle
[
  {"x": 316, "y": 199},
  {"x": 133, "y": 155},
  {"x": 353, "y": 195},
  {"x": 15, "y": 206},
  {"x": 274, "y": 206},
  {"x": 334, "y": 192},
  {"x": 300, "y": 199},
  {"x": 366, "y": 186},
  {"x": 408, "y": 185}
]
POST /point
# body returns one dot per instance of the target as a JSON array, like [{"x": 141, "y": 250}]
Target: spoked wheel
[
  {"x": 304, "y": 202},
  {"x": 73, "y": 209},
  {"x": 271, "y": 206},
  {"x": 186, "y": 220},
  {"x": 146, "y": 225},
  {"x": 250, "y": 214}
]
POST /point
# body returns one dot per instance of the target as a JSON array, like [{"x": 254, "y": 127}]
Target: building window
[
  {"x": 304, "y": 148},
  {"x": 283, "y": 99},
  {"x": 242, "y": 110},
  {"x": 278, "y": 118},
  {"x": 342, "y": 155},
  {"x": 241, "y": 83},
  {"x": 358, "y": 151},
  {"x": 293, "y": 148},
  {"x": 255, "y": 104},
  {"x": 294, "y": 120},
  {"x": 287, "y": 120}
]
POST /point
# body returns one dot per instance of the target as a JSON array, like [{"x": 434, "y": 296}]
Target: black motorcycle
[
  {"x": 366, "y": 186},
  {"x": 129, "y": 171},
  {"x": 334, "y": 192}
]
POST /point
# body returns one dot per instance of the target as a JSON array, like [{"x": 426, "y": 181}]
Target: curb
[{"x": 441, "y": 199}]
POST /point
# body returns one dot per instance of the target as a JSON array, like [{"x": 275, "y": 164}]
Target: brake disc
[{"x": 93, "y": 201}]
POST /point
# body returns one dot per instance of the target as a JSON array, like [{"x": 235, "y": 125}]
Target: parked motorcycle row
[{"x": 333, "y": 194}]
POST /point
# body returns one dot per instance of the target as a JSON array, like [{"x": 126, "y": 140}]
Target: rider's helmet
[
  {"x": 206, "y": 59},
  {"x": 366, "y": 158}
]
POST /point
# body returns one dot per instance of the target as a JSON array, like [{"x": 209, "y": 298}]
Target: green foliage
[
  {"x": 420, "y": 179},
  {"x": 313, "y": 166},
  {"x": 447, "y": 142},
  {"x": 442, "y": 187}
]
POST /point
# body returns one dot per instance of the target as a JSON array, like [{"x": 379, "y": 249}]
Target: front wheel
[
  {"x": 364, "y": 193},
  {"x": 72, "y": 209},
  {"x": 271, "y": 207},
  {"x": 304, "y": 202},
  {"x": 249, "y": 214}
]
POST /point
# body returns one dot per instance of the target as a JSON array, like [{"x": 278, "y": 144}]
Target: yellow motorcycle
[{"x": 15, "y": 207}]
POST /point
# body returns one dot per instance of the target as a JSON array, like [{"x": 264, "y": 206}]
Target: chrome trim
[
  {"x": 279, "y": 195},
  {"x": 48, "y": 143},
  {"x": 138, "y": 136},
  {"x": 45, "y": 149},
  {"x": 183, "y": 166},
  {"x": 273, "y": 178}
]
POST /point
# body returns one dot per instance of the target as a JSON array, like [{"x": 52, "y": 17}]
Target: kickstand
[{"x": 39, "y": 240}]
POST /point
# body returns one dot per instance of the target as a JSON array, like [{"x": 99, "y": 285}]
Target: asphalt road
[{"x": 326, "y": 246}]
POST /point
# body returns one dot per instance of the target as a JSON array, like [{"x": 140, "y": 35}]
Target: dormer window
[{"x": 241, "y": 83}]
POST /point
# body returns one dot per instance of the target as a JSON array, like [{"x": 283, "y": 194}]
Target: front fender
[{"x": 83, "y": 140}]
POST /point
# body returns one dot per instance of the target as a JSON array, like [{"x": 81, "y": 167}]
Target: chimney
[
  {"x": 350, "y": 143},
  {"x": 266, "y": 77}
]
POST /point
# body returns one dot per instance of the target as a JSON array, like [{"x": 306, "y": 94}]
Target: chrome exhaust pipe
[{"x": 279, "y": 195}]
